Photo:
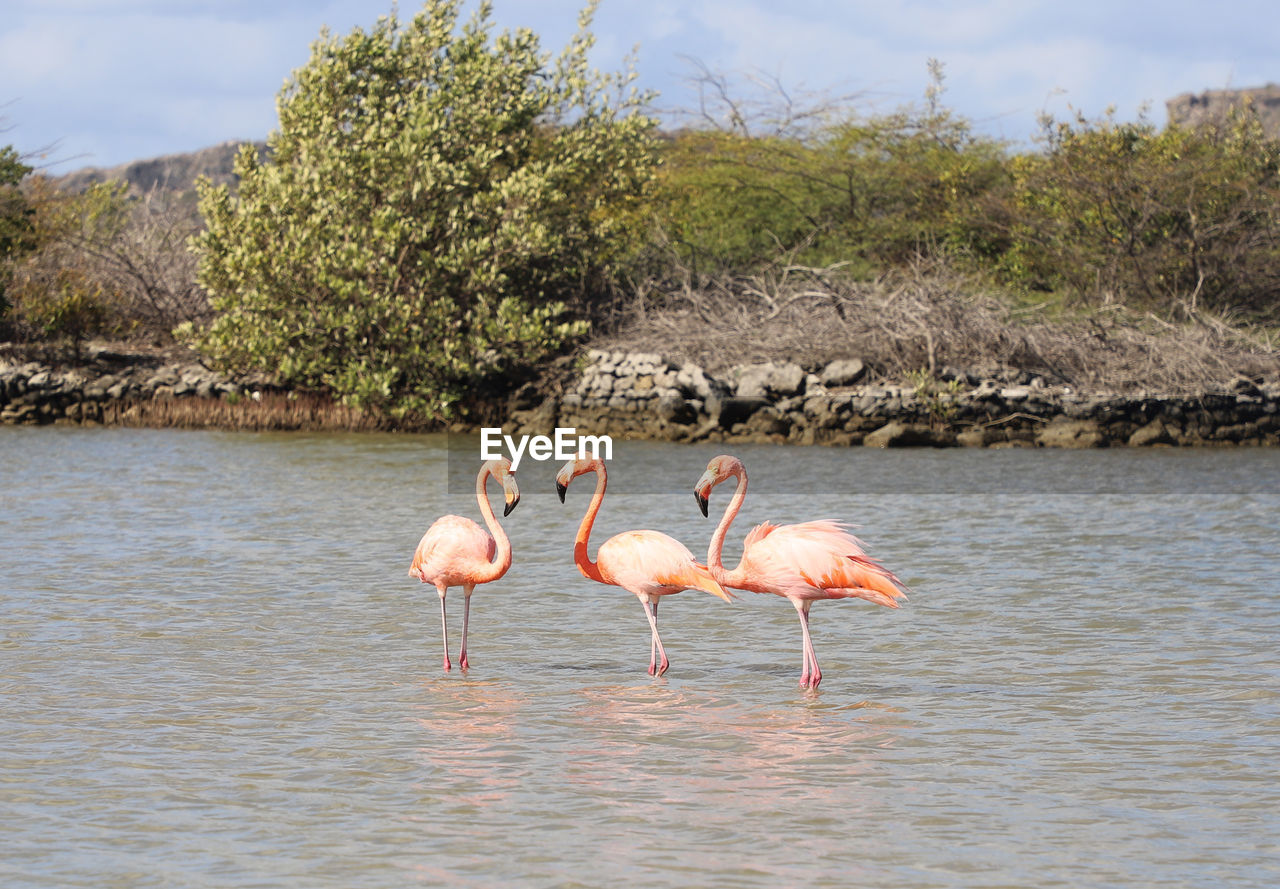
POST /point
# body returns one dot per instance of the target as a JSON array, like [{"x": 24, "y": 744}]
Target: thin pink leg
[
  {"x": 656, "y": 668},
  {"x": 811, "y": 675},
  {"x": 466, "y": 619},
  {"x": 444, "y": 629},
  {"x": 653, "y": 653}
]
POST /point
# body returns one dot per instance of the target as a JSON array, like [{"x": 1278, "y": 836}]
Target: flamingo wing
[
  {"x": 653, "y": 563},
  {"x": 452, "y": 547},
  {"x": 815, "y": 560}
]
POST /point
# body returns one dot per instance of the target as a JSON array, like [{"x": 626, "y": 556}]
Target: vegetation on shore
[{"x": 444, "y": 209}]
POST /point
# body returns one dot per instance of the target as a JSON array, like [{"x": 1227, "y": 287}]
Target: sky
[{"x": 100, "y": 83}]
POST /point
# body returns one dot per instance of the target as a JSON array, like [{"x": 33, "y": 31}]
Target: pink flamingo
[
  {"x": 648, "y": 563},
  {"x": 456, "y": 551},
  {"x": 804, "y": 562}
]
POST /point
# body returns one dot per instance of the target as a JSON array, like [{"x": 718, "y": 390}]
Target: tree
[
  {"x": 817, "y": 182},
  {"x": 57, "y": 289},
  {"x": 435, "y": 201},
  {"x": 15, "y": 219},
  {"x": 1154, "y": 217}
]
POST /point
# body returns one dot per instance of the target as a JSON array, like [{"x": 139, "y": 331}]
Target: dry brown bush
[
  {"x": 150, "y": 266},
  {"x": 929, "y": 316},
  {"x": 270, "y": 412}
]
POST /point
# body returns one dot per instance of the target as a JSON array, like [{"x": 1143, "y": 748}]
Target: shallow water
[{"x": 214, "y": 671}]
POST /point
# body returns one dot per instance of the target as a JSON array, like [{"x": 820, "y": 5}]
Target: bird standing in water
[
  {"x": 804, "y": 562},
  {"x": 456, "y": 551},
  {"x": 648, "y": 563}
]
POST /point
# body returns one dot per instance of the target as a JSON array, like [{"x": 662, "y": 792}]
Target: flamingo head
[
  {"x": 578, "y": 466},
  {"x": 501, "y": 470},
  {"x": 719, "y": 469}
]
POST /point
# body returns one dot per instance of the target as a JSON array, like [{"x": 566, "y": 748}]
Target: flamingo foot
[
  {"x": 810, "y": 680},
  {"x": 463, "y": 662},
  {"x": 447, "y": 666}
]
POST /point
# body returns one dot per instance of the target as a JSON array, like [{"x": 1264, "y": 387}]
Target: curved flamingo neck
[
  {"x": 502, "y": 561},
  {"x": 716, "y": 547},
  {"x": 589, "y": 568}
]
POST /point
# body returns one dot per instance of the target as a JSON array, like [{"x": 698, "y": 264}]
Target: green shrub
[
  {"x": 726, "y": 202},
  {"x": 434, "y": 202},
  {"x": 57, "y": 288},
  {"x": 870, "y": 192},
  {"x": 69, "y": 306},
  {"x": 1152, "y": 217},
  {"x": 15, "y": 221}
]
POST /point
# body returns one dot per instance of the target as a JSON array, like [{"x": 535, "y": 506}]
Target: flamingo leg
[
  {"x": 444, "y": 629},
  {"x": 466, "y": 619},
  {"x": 656, "y": 668},
  {"x": 653, "y": 643},
  {"x": 811, "y": 675}
]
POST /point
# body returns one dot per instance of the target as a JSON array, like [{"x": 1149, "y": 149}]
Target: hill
[
  {"x": 176, "y": 172},
  {"x": 1209, "y": 106}
]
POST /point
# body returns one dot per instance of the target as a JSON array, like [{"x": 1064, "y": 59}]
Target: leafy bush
[
  {"x": 1126, "y": 212},
  {"x": 57, "y": 289},
  {"x": 729, "y": 201},
  {"x": 147, "y": 260},
  {"x": 15, "y": 220},
  {"x": 435, "y": 202},
  {"x": 828, "y": 185}
]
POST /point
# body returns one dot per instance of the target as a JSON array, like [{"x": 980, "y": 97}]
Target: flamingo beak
[
  {"x": 561, "y": 487},
  {"x": 702, "y": 490},
  {"x": 511, "y": 492}
]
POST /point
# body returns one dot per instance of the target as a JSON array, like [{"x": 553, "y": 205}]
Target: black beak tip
[
  {"x": 506, "y": 511},
  {"x": 702, "y": 503},
  {"x": 560, "y": 489}
]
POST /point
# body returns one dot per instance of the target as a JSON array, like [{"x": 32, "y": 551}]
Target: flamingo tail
[
  {"x": 864, "y": 578},
  {"x": 697, "y": 577}
]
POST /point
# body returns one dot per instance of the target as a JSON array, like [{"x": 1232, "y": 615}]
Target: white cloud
[{"x": 125, "y": 79}]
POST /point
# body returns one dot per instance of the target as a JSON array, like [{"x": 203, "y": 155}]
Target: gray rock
[
  {"x": 843, "y": 372},
  {"x": 769, "y": 378},
  {"x": 1072, "y": 434},
  {"x": 896, "y": 435},
  {"x": 674, "y": 409},
  {"x": 1154, "y": 433},
  {"x": 731, "y": 409},
  {"x": 691, "y": 380},
  {"x": 978, "y": 437}
]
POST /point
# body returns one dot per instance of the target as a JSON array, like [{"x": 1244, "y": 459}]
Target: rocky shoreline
[
  {"x": 101, "y": 388},
  {"x": 634, "y": 395},
  {"x": 643, "y": 396}
]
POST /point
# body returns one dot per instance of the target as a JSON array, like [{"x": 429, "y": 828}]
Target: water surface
[{"x": 214, "y": 671}]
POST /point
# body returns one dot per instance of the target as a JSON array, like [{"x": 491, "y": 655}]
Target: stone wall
[
  {"x": 643, "y": 396},
  {"x": 98, "y": 388}
]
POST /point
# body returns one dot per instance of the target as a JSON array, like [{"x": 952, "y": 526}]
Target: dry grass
[
  {"x": 930, "y": 317},
  {"x": 270, "y": 412}
]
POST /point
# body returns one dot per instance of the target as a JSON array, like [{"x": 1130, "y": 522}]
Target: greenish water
[{"x": 214, "y": 671}]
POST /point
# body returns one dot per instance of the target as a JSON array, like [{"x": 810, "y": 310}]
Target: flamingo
[
  {"x": 648, "y": 563},
  {"x": 456, "y": 551},
  {"x": 804, "y": 562}
]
